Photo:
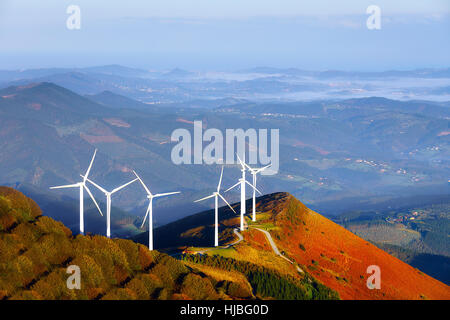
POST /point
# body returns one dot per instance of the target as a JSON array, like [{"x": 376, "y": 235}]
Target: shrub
[
  {"x": 151, "y": 283},
  {"x": 145, "y": 257},
  {"x": 138, "y": 287},
  {"x": 238, "y": 290},
  {"x": 131, "y": 251},
  {"x": 48, "y": 225},
  {"x": 198, "y": 288},
  {"x": 91, "y": 273}
]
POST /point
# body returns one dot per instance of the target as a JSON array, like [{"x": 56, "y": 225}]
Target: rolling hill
[{"x": 330, "y": 253}]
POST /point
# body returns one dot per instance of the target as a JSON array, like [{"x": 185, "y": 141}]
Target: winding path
[
  {"x": 241, "y": 238},
  {"x": 275, "y": 248}
]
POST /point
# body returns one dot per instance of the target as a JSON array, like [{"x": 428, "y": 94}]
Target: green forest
[{"x": 269, "y": 283}]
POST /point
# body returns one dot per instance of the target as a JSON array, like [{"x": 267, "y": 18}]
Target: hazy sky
[{"x": 226, "y": 34}]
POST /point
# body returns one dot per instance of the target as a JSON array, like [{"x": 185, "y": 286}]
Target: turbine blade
[
  {"x": 249, "y": 168},
  {"x": 253, "y": 187},
  {"x": 90, "y": 165},
  {"x": 242, "y": 163},
  {"x": 146, "y": 214},
  {"x": 143, "y": 184},
  {"x": 204, "y": 198},
  {"x": 220, "y": 180},
  {"x": 165, "y": 194},
  {"x": 233, "y": 186},
  {"x": 226, "y": 202},
  {"x": 66, "y": 186},
  {"x": 95, "y": 185},
  {"x": 93, "y": 199},
  {"x": 123, "y": 186},
  {"x": 263, "y": 168}
]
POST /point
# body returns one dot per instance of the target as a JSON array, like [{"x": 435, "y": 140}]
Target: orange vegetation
[{"x": 339, "y": 259}]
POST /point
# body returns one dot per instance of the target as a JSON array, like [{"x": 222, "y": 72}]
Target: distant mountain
[
  {"x": 117, "y": 70},
  {"x": 77, "y": 81},
  {"x": 329, "y": 150},
  {"x": 344, "y": 109},
  {"x": 275, "y": 71},
  {"x": 49, "y": 133},
  {"x": 15, "y": 75},
  {"x": 177, "y": 73},
  {"x": 330, "y": 74},
  {"x": 46, "y": 101},
  {"x": 330, "y": 253},
  {"x": 110, "y": 99},
  {"x": 262, "y": 84}
]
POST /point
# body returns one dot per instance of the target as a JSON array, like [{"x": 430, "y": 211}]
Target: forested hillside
[{"x": 35, "y": 252}]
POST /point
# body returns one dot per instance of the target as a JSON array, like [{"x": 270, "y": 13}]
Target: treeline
[{"x": 267, "y": 283}]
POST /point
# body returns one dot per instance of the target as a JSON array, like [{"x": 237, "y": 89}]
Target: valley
[
  {"x": 416, "y": 234},
  {"x": 334, "y": 152}
]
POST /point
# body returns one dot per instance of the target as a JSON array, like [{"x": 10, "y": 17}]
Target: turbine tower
[
  {"x": 151, "y": 196},
  {"x": 241, "y": 183},
  {"x": 216, "y": 196},
  {"x": 254, "y": 172},
  {"x": 108, "y": 195},
  {"x": 82, "y": 186}
]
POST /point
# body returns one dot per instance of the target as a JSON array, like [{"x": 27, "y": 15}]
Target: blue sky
[{"x": 226, "y": 35}]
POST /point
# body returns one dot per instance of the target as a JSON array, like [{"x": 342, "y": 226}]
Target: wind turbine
[
  {"x": 108, "y": 195},
  {"x": 82, "y": 186},
  {"x": 150, "y": 196},
  {"x": 216, "y": 196},
  {"x": 254, "y": 172},
  {"x": 242, "y": 183}
]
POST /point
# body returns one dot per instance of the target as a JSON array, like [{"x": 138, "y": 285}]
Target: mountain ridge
[{"x": 332, "y": 254}]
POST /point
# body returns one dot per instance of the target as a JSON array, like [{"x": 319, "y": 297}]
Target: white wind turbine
[
  {"x": 82, "y": 186},
  {"x": 254, "y": 172},
  {"x": 150, "y": 196},
  {"x": 108, "y": 195},
  {"x": 241, "y": 183},
  {"x": 216, "y": 196}
]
